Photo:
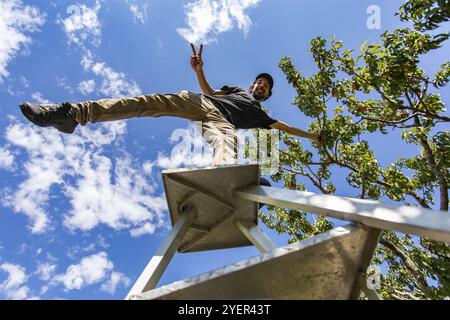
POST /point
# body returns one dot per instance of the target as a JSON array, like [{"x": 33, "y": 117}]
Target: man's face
[{"x": 261, "y": 89}]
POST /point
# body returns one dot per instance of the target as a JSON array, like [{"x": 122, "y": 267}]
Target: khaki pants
[{"x": 216, "y": 129}]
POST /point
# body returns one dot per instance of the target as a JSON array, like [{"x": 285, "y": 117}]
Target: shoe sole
[{"x": 26, "y": 111}]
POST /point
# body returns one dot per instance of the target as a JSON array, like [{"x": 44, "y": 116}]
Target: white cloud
[
  {"x": 124, "y": 204},
  {"x": 116, "y": 279},
  {"x": 74, "y": 251},
  {"x": 146, "y": 228},
  {"x": 208, "y": 18},
  {"x": 50, "y": 257},
  {"x": 6, "y": 159},
  {"x": 102, "y": 242},
  {"x": 43, "y": 170},
  {"x": 61, "y": 82},
  {"x": 45, "y": 271},
  {"x": 16, "y": 22},
  {"x": 101, "y": 191},
  {"x": 44, "y": 290},
  {"x": 113, "y": 84},
  {"x": 15, "y": 85},
  {"x": 16, "y": 276},
  {"x": 92, "y": 269},
  {"x": 138, "y": 11},
  {"x": 37, "y": 96},
  {"x": 82, "y": 25},
  {"x": 84, "y": 247},
  {"x": 24, "y": 81},
  {"x": 13, "y": 287},
  {"x": 86, "y": 86},
  {"x": 147, "y": 167}
]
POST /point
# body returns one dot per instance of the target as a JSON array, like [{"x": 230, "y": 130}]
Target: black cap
[{"x": 266, "y": 76}]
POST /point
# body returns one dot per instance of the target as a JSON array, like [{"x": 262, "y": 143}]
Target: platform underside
[{"x": 210, "y": 191}]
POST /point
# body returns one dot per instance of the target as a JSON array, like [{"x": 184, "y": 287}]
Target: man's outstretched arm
[
  {"x": 197, "y": 65},
  {"x": 295, "y": 131},
  {"x": 203, "y": 83}
]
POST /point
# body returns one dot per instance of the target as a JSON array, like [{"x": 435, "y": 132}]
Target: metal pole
[
  {"x": 256, "y": 236},
  {"x": 406, "y": 219},
  {"x": 154, "y": 270}
]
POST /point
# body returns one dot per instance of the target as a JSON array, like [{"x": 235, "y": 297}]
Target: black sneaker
[
  {"x": 263, "y": 182},
  {"x": 59, "y": 116}
]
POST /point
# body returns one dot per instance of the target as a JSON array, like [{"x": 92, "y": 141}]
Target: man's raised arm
[
  {"x": 295, "y": 131},
  {"x": 197, "y": 65}
]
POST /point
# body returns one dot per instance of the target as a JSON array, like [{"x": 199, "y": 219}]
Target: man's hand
[
  {"x": 197, "y": 65},
  {"x": 196, "y": 59}
]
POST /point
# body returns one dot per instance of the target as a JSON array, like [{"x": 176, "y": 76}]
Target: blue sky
[{"x": 81, "y": 214}]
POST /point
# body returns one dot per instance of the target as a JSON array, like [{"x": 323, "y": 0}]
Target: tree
[
  {"x": 381, "y": 88},
  {"x": 426, "y": 14}
]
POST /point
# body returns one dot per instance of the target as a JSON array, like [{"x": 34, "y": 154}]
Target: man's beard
[{"x": 258, "y": 94}]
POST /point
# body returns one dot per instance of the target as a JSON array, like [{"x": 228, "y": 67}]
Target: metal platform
[
  {"x": 327, "y": 266},
  {"x": 211, "y": 193}
]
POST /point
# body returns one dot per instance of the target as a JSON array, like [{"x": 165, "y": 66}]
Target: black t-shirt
[{"x": 241, "y": 109}]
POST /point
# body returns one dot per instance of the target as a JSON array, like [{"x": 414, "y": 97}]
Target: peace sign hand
[{"x": 196, "y": 59}]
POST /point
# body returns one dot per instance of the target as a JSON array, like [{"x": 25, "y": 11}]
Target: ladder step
[{"x": 327, "y": 266}]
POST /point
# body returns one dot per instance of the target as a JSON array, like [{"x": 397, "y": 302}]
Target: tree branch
[
  {"x": 305, "y": 163},
  {"x": 429, "y": 156},
  {"x": 408, "y": 263},
  {"x": 420, "y": 200},
  {"x": 391, "y": 122},
  {"x": 400, "y": 295},
  {"x": 306, "y": 174}
]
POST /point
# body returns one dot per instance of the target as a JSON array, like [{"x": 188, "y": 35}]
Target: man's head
[{"x": 261, "y": 88}]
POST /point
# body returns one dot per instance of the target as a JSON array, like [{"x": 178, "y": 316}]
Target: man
[{"x": 221, "y": 112}]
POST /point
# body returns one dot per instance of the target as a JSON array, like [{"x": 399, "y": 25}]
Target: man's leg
[
  {"x": 219, "y": 133},
  {"x": 66, "y": 116},
  {"x": 222, "y": 137},
  {"x": 182, "y": 104}
]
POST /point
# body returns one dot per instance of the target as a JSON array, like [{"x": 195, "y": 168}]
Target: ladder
[{"x": 216, "y": 208}]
